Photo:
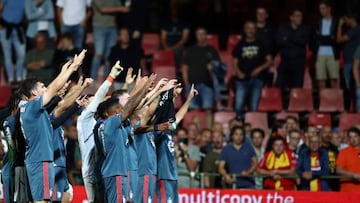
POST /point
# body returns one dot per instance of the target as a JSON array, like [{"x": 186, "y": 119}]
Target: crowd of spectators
[{"x": 288, "y": 156}]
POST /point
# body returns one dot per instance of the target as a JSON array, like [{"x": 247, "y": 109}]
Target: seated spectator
[
  {"x": 313, "y": 162},
  {"x": 292, "y": 123},
  {"x": 238, "y": 158},
  {"x": 280, "y": 128},
  {"x": 38, "y": 61},
  {"x": 218, "y": 126},
  {"x": 211, "y": 162},
  {"x": 174, "y": 35},
  {"x": 251, "y": 60},
  {"x": 65, "y": 51},
  {"x": 294, "y": 142},
  {"x": 325, "y": 48},
  {"x": 205, "y": 140},
  {"x": 351, "y": 40},
  {"x": 348, "y": 163},
  {"x": 128, "y": 54},
  {"x": 277, "y": 163},
  {"x": 197, "y": 70},
  {"x": 257, "y": 138},
  {"x": 40, "y": 15},
  {"x": 291, "y": 39},
  {"x": 187, "y": 159},
  {"x": 337, "y": 141},
  {"x": 193, "y": 133},
  {"x": 326, "y": 137}
]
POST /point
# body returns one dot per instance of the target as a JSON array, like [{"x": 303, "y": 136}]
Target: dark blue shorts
[
  {"x": 41, "y": 179},
  {"x": 167, "y": 191},
  {"x": 115, "y": 189},
  {"x": 132, "y": 183},
  {"x": 146, "y": 189},
  {"x": 61, "y": 183}
]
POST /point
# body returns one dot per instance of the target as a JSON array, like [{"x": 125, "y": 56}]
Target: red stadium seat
[
  {"x": 163, "y": 58},
  {"x": 270, "y": 100},
  {"x": 193, "y": 115},
  {"x": 348, "y": 120},
  {"x": 213, "y": 40},
  {"x": 224, "y": 116},
  {"x": 319, "y": 119},
  {"x": 164, "y": 72},
  {"x": 301, "y": 100},
  {"x": 5, "y": 94},
  {"x": 282, "y": 115},
  {"x": 228, "y": 60},
  {"x": 150, "y": 43},
  {"x": 233, "y": 40},
  {"x": 331, "y": 100},
  {"x": 257, "y": 120}
]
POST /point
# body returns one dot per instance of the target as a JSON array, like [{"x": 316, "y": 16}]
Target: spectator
[
  {"x": 257, "y": 138},
  {"x": 337, "y": 141},
  {"x": 348, "y": 163},
  {"x": 39, "y": 60},
  {"x": 72, "y": 17},
  {"x": 325, "y": 48},
  {"x": 248, "y": 129},
  {"x": 280, "y": 129},
  {"x": 251, "y": 59},
  {"x": 292, "y": 123},
  {"x": 218, "y": 126},
  {"x": 12, "y": 36},
  {"x": 193, "y": 133},
  {"x": 351, "y": 40},
  {"x": 356, "y": 74},
  {"x": 294, "y": 142},
  {"x": 129, "y": 55},
  {"x": 291, "y": 39},
  {"x": 174, "y": 35},
  {"x": 211, "y": 162},
  {"x": 326, "y": 137},
  {"x": 197, "y": 69},
  {"x": 238, "y": 158},
  {"x": 313, "y": 162},
  {"x": 104, "y": 31},
  {"x": 277, "y": 163},
  {"x": 205, "y": 140},
  {"x": 40, "y": 15},
  {"x": 65, "y": 51},
  {"x": 188, "y": 158},
  {"x": 265, "y": 33}
]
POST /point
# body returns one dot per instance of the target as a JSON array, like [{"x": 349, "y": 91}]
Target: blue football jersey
[
  {"x": 146, "y": 153},
  {"x": 59, "y": 147},
  {"x": 165, "y": 152},
  {"x": 9, "y": 128},
  {"x": 115, "y": 147},
  {"x": 37, "y": 130}
]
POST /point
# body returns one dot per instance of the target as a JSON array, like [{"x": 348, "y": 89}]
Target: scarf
[{"x": 281, "y": 162}]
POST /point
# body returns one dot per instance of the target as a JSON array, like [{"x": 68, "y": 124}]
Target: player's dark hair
[
  {"x": 105, "y": 106},
  {"x": 118, "y": 93},
  {"x": 27, "y": 86},
  {"x": 14, "y": 101}
]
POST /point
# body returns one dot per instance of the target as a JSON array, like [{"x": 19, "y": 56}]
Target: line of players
[{"x": 125, "y": 140}]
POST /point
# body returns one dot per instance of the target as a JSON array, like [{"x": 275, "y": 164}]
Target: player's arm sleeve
[
  {"x": 52, "y": 104},
  {"x": 99, "y": 96},
  {"x": 57, "y": 122}
]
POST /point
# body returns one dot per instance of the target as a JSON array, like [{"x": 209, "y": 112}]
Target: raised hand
[
  {"x": 78, "y": 60},
  {"x": 116, "y": 70},
  {"x": 87, "y": 82},
  {"x": 82, "y": 101},
  {"x": 193, "y": 92},
  {"x": 61, "y": 92},
  {"x": 162, "y": 82},
  {"x": 171, "y": 84},
  {"x": 129, "y": 76}
]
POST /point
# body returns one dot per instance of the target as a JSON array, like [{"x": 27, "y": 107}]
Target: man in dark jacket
[
  {"x": 291, "y": 40},
  {"x": 313, "y": 162},
  {"x": 325, "y": 48}
]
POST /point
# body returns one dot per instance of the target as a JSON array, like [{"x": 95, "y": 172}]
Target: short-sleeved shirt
[
  {"x": 146, "y": 152},
  {"x": 165, "y": 153},
  {"x": 132, "y": 148},
  {"x": 349, "y": 160},
  {"x": 238, "y": 160},
  {"x": 351, "y": 45},
  {"x": 197, "y": 58},
  {"x": 38, "y": 132},
  {"x": 211, "y": 165},
  {"x": 115, "y": 147},
  {"x": 325, "y": 50},
  {"x": 250, "y": 55},
  {"x": 59, "y": 147},
  {"x": 194, "y": 154},
  {"x": 101, "y": 19},
  {"x": 13, "y": 11},
  {"x": 73, "y": 11}
]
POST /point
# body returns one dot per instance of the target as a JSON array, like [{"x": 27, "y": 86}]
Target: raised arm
[
  {"x": 184, "y": 108},
  {"x": 64, "y": 75}
]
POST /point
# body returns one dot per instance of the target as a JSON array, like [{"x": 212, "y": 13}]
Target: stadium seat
[
  {"x": 224, "y": 116},
  {"x": 163, "y": 58},
  {"x": 233, "y": 40},
  {"x": 282, "y": 115},
  {"x": 331, "y": 100},
  {"x": 213, "y": 40},
  {"x": 257, "y": 120},
  {"x": 301, "y": 100},
  {"x": 164, "y": 72},
  {"x": 348, "y": 120},
  {"x": 195, "y": 114},
  {"x": 5, "y": 94},
  {"x": 270, "y": 100},
  {"x": 319, "y": 119},
  {"x": 228, "y": 60},
  {"x": 150, "y": 43}
]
